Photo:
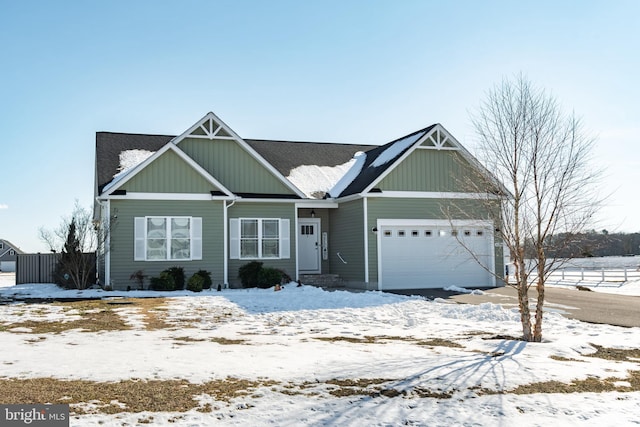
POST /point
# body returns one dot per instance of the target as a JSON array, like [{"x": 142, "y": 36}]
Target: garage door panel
[{"x": 418, "y": 257}]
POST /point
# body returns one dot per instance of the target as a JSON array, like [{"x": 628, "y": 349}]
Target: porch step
[{"x": 322, "y": 280}]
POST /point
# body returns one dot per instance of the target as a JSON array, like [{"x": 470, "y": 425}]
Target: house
[
  {"x": 8, "y": 255},
  {"x": 377, "y": 217}
]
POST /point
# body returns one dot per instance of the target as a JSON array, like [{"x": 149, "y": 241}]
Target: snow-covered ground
[{"x": 305, "y": 340}]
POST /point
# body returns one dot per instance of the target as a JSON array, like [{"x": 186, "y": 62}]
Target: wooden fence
[{"x": 39, "y": 268}]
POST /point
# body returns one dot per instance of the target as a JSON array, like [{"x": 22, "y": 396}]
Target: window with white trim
[
  {"x": 168, "y": 238},
  {"x": 259, "y": 238}
]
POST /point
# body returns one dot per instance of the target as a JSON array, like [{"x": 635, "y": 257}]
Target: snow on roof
[
  {"x": 315, "y": 180},
  {"x": 395, "y": 149},
  {"x": 129, "y": 159},
  {"x": 132, "y": 158},
  {"x": 355, "y": 165}
]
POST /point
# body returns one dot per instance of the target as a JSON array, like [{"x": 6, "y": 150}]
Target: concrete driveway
[{"x": 594, "y": 307}]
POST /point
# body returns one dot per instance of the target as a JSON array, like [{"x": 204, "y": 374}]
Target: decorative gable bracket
[
  {"x": 209, "y": 128},
  {"x": 439, "y": 139}
]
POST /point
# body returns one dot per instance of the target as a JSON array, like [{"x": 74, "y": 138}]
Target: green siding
[
  {"x": 233, "y": 166},
  {"x": 169, "y": 174},
  {"x": 347, "y": 238},
  {"x": 413, "y": 208},
  {"x": 429, "y": 170},
  {"x": 122, "y": 239},
  {"x": 265, "y": 210}
]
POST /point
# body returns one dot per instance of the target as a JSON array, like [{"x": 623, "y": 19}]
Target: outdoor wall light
[{"x": 374, "y": 230}]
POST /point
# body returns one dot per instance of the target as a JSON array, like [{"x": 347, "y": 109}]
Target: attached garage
[
  {"x": 7, "y": 266},
  {"x": 420, "y": 254}
]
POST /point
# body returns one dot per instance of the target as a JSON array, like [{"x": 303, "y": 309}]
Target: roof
[
  {"x": 284, "y": 156},
  {"x": 109, "y": 145},
  {"x": 375, "y": 162},
  {"x": 8, "y": 246}
]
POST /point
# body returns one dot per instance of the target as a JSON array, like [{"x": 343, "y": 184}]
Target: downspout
[
  {"x": 225, "y": 236},
  {"x": 107, "y": 241},
  {"x": 366, "y": 242}
]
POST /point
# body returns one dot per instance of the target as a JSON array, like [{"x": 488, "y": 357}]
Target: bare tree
[
  {"x": 76, "y": 238},
  {"x": 542, "y": 158}
]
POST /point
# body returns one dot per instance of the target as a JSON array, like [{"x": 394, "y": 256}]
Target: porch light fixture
[
  {"x": 374, "y": 230},
  {"x": 313, "y": 213}
]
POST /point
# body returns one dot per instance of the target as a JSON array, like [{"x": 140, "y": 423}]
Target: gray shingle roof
[
  {"x": 109, "y": 145},
  {"x": 283, "y": 155},
  {"x": 370, "y": 171}
]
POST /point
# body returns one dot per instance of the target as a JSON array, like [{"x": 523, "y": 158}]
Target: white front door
[{"x": 309, "y": 245}]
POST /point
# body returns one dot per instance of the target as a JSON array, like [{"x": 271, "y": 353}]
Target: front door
[{"x": 309, "y": 245}]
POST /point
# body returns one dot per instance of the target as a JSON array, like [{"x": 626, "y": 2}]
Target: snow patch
[
  {"x": 132, "y": 158},
  {"x": 355, "y": 166},
  {"x": 395, "y": 149},
  {"x": 313, "y": 179}
]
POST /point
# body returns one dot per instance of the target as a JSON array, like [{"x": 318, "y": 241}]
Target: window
[
  {"x": 428, "y": 233},
  {"x": 387, "y": 233},
  {"x": 259, "y": 238},
  {"x": 401, "y": 233},
  {"x": 12, "y": 252},
  {"x": 454, "y": 233},
  {"x": 1, "y": 245},
  {"x": 467, "y": 232},
  {"x": 168, "y": 238},
  {"x": 415, "y": 233},
  {"x": 479, "y": 233}
]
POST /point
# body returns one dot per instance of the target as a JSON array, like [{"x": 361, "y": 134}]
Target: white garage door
[
  {"x": 420, "y": 255},
  {"x": 7, "y": 266}
]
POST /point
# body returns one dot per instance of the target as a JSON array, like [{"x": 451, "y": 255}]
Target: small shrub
[
  {"x": 268, "y": 277},
  {"x": 165, "y": 282},
  {"x": 248, "y": 274},
  {"x": 138, "y": 277},
  {"x": 195, "y": 283},
  {"x": 178, "y": 277},
  {"x": 206, "y": 277}
]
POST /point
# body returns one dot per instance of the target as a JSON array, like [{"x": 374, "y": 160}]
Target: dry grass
[
  {"x": 95, "y": 316},
  {"x": 123, "y": 396},
  {"x": 386, "y": 339},
  {"x": 631, "y": 355},
  {"x": 587, "y": 385}
]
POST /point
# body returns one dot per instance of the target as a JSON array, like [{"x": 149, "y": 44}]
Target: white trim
[
  {"x": 281, "y": 222},
  {"x": 265, "y": 200},
  {"x": 107, "y": 249},
  {"x": 317, "y": 222},
  {"x": 295, "y": 237},
  {"x": 436, "y": 222},
  {"x": 144, "y": 220},
  {"x": 167, "y": 196},
  {"x": 439, "y": 130},
  {"x": 243, "y": 144},
  {"x": 318, "y": 204},
  {"x": 366, "y": 240},
  {"x": 434, "y": 195},
  {"x": 127, "y": 176}
]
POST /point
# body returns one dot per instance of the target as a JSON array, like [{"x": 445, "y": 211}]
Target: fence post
[
  {"x": 582, "y": 274},
  {"x": 625, "y": 274},
  {"x": 603, "y": 274}
]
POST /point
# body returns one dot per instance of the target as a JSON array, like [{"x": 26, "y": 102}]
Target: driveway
[{"x": 594, "y": 307}]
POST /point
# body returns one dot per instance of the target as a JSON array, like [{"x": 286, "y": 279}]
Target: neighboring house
[
  {"x": 8, "y": 255},
  {"x": 374, "y": 215}
]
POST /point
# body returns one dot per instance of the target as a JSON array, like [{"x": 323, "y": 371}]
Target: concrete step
[{"x": 322, "y": 280}]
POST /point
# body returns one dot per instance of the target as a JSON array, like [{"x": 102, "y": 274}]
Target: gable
[
  {"x": 430, "y": 170},
  {"x": 234, "y": 167},
  {"x": 169, "y": 173}
]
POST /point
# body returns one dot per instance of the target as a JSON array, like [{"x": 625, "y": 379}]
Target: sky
[{"x": 332, "y": 71}]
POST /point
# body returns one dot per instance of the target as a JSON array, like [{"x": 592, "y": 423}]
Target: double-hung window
[
  {"x": 259, "y": 238},
  {"x": 160, "y": 238}
]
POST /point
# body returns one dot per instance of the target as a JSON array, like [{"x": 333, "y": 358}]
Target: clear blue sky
[{"x": 343, "y": 71}]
